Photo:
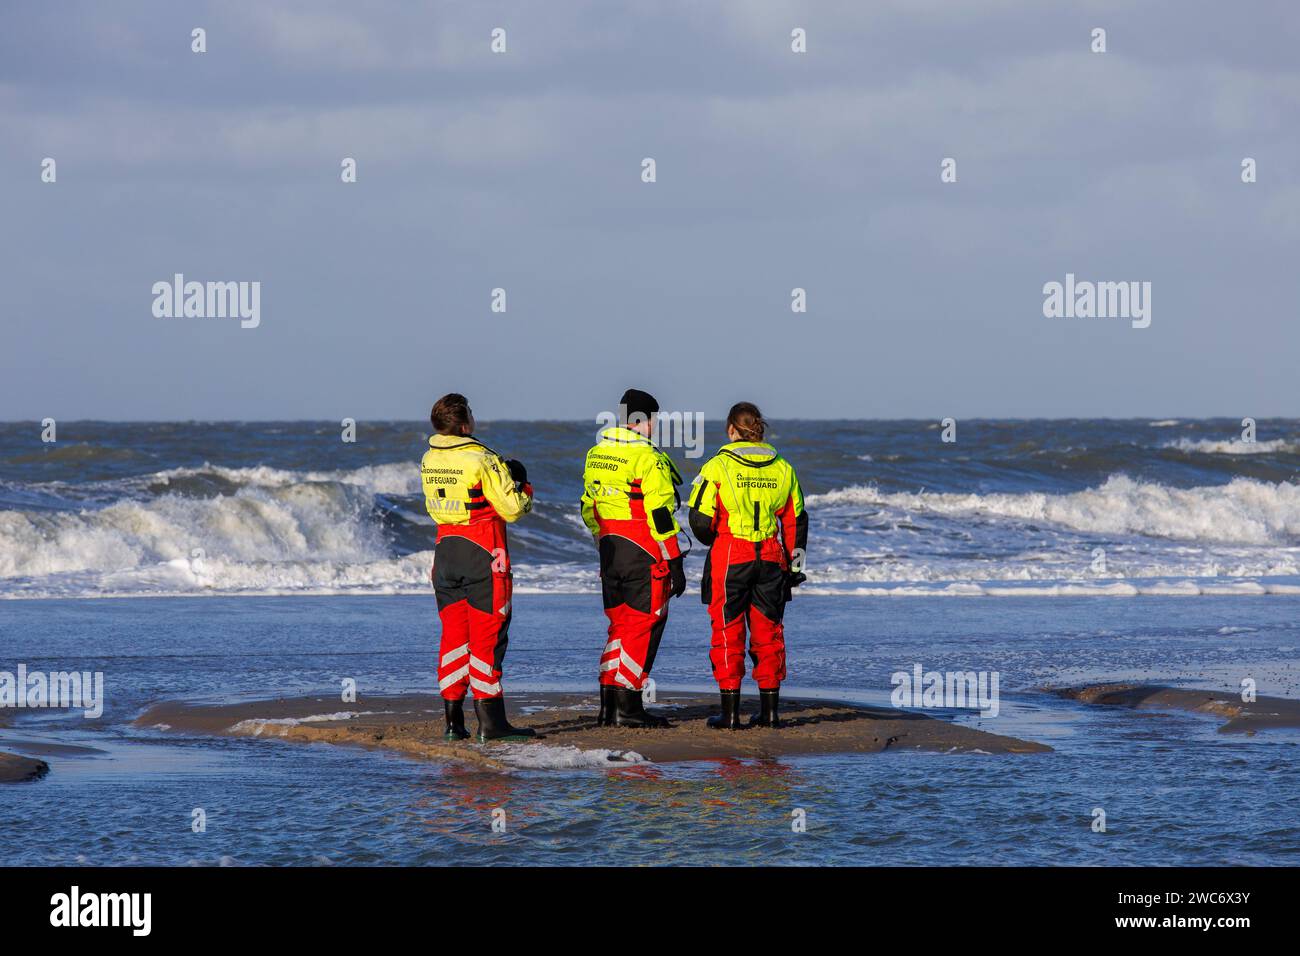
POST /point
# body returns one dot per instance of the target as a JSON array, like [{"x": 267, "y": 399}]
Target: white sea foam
[
  {"x": 320, "y": 522},
  {"x": 543, "y": 757},
  {"x": 277, "y": 532},
  {"x": 1243, "y": 511},
  {"x": 1139, "y": 588},
  {"x": 395, "y": 478},
  {"x": 1209, "y": 446},
  {"x": 272, "y": 532},
  {"x": 256, "y": 726}
]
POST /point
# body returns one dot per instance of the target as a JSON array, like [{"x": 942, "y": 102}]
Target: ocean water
[
  {"x": 250, "y": 561},
  {"x": 1031, "y": 508}
]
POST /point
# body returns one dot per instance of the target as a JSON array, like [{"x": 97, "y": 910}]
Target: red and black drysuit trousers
[
  {"x": 635, "y": 587},
  {"x": 744, "y": 588},
  {"x": 473, "y": 583}
]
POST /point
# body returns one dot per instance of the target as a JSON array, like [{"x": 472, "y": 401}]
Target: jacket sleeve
[
  {"x": 588, "y": 505},
  {"x": 499, "y": 489},
  {"x": 794, "y": 519},
  {"x": 425, "y": 489},
  {"x": 659, "y": 486},
  {"x": 704, "y": 506}
]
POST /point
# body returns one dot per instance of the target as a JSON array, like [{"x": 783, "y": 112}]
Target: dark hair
[
  {"x": 450, "y": 414},
  {"x": 746, "y": 419}
]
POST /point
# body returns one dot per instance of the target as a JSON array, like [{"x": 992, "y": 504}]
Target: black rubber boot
[
  {"x": 608, "y": 706},
  {"x": 455, "y": 711},
  {"x": 492, "y": 723},
  {"x": 629, "y": 710},
  {"x": 768, "y": 701},
  {"x": 729, "y": 719}
]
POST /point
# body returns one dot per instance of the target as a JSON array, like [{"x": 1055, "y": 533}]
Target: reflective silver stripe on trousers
[
  {"x": 453, "y": 678},
  {"x": 484, "y": 686},
  {"x": 452, "y": 655}
]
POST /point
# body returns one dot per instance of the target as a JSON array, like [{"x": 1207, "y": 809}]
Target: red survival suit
[
  {"x": 748, "y": 508},
  {"x": 468, "y": 491},
  {"x": 629, "y": 497}
]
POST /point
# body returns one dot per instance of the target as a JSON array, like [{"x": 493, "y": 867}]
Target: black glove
[
  {"x": 677, "y": 575},
  {"x": 795, "y": 578},
  {"x": 518, "y": 473}
]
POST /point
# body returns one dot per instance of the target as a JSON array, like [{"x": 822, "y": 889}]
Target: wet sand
[
  {"x": 412, "y": 724},
  {"x": 1261, "y": 714},
  {"x": 16, "y": 769}
]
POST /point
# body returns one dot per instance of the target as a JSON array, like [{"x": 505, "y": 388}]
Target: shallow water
[{"x": 1174, "y": 791}]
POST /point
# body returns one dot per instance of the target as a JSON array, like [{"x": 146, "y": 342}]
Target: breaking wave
[
  {"x": 264, "y": 530},
  {"x": 1243, "y": 511},
  {"x": 1208, "y": 446}
]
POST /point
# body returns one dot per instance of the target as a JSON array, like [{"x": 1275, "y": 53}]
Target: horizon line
[{"x": 572, "y": 421}]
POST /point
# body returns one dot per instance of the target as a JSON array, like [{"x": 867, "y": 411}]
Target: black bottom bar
[{"x": 336, "y": 904}]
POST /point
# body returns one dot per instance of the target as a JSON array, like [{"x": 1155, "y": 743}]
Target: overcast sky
[{"x": 775, "y": 170}]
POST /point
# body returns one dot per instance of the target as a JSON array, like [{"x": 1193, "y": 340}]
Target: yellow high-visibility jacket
[
  {"x": 630, "y": 489},
  {"x": 465, "y": 482},
  {"x": 750, "y": 492}
]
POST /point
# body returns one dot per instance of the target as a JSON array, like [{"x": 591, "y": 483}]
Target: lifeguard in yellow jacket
[
  {"x": 629, "y": 503},
  {"x": 472, "y": 493},
  {"x": 747, "y": 507}
]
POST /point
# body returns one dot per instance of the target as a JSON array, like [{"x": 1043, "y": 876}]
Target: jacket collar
[
  {"x": 617, "y": 433},
  {"x": 756, "y": 454},
  {"x": 446, "y": 442}
]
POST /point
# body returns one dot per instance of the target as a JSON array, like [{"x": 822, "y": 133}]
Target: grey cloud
[{"x": 774, "y": 171}]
